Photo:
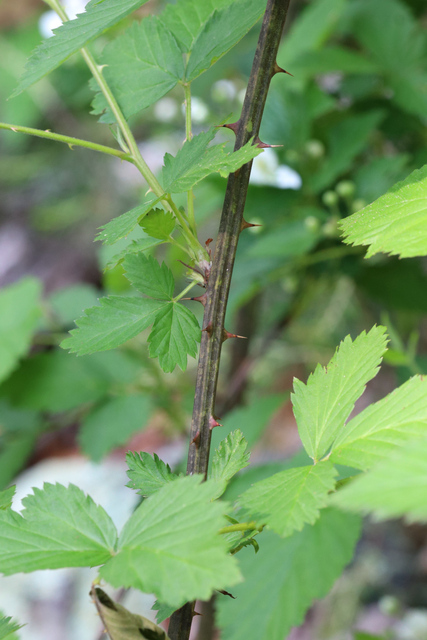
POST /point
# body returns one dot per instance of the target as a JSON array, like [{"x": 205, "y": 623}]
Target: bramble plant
[{"x": 191, "y": 537}]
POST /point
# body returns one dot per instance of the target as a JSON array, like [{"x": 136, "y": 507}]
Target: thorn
[
  {"x": 148, "y": 191},
  {"x": 208, "y": 329},
  {"x": 263, "y": 145},
  {"x": 48, "y": 130},
  {"x": 208, "y": 241},
  {"x": 203, "y": 299},
  {"x": 225, "y": 593},
  {"x": 191, "y": 268},
  {"x": 232, "y": 125},
  {"x": 14, "y": 130},
  {"x": 247, "y": 225},
  {"x": 214, "y": 423},
  {"x": 226, "y": 334},
  {"x": 277, "y": 69},
  {"x": 196, "y": 613},
  {"x": 196, "y": 440}
]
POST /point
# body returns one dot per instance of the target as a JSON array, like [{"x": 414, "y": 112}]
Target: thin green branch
[
  {"x": 72, "y": 142},
  {"x": 240, "y": 526},
  {"x": 184, "y": 291}
]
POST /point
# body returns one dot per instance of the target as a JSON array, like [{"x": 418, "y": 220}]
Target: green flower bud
[
  {"x": 345, "y": 189},
  {"x": 330, "y": 198},
  {"x": 315, "y": 149}
]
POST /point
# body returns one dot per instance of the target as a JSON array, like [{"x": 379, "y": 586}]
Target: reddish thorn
[
  {"x": 196, "y": 613},
  {"x": 225, "y": 593},
  {"x": 208, "y": 328},
  {"x": 226, "y": 334},
  {"x": 263, "y": 145},
  {"x": 214, "y": 423},
  {"x": 208, "y": 241},
  {"x": 202, "y": 299},
  {"x": 191, "y": 268},
  {"x": 232, "y": 125},
  {"x": 196, "y": 440},
  {"x": 277, "y": 69},
  {"x": 247, "y": 225}
]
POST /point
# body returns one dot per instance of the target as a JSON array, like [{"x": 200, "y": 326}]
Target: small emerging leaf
[
  {"x": 148, "y": 276},
  {"x": 147, "y": 474},
  {"x": 158, "y": 224},
  {"x": 229, "y": 458},
  {"x": 174, "y": 336}
]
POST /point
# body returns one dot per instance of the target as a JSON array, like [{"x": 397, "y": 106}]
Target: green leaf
[
  {"x": 6, "y": 497},
  {"x": 147, "y": 474},
  {"x": 163, "y": 611},
  {"x": 288, "y": 500},
  {"x": 175, "y": 335},
  {"x": 121, "y": 624},
  {"x": 383, "y": 426},
  {"x": 286, "y": 576},
  {"x": 158, "y": 224},
  {"x": 7, "y": 627},
  {"x": 322, "y": 406},
  {"x": 19, "y": 315},
  {"x": 117, "y": 320},
  {"x": 113, "y": 423},
  {"x": 73, "y": 35},
  {"x": 59, "y": 527},
  {"x": 396, "y": 223},
  {"x": 142, "y": 65},
  {"x": 170, "y": 545},
  {"x": 186, "y": 18},
  {"x": 229, "y": 458},
  {"x": 148, "y": 277},
  {"x": 395, "y": 487},
  {"x": 121, "y": 226},
  {"x": 196, "y": 160},
  {"x": 135, "y": 246}
]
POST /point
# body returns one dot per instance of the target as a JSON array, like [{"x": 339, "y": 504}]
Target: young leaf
[
  {"x": 229, "y": 458},
  {"x": 147, "y": 474},
  {"x": 170, "y": 545},
  {"x": 142, "y": 65},
  {"x": 113, "y": 423},
  {"x": 322, "y": 406},
  {"x": 73, "y": 35},
  {"x": 6, "y": 497},
  {"x": 158, "y": 224},
  {"x": 7, "y": 627},
  {"x": 395, "y": 487},
  {"x": 121, "y": 226},
  {"x": 148, "y": 276},
  {"x": 59, "y": 527},
  {"x": 135, "y": 246},
  {"x": 196, "y": 160},
  {"x": 109, "y": 325},
  {"x": 121, "y": 624},
  {"x": 174, "y": 336},
  {"x": 395, "y": 223},
  {"x": 290, "y": 499},
  {"x": 19, "y": 314},
  {"x": 286, "y": 577},
  {"x": 383, "y": 426}
]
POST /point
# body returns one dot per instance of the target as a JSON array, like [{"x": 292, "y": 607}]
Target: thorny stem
[{"x": 219, "y": 282}]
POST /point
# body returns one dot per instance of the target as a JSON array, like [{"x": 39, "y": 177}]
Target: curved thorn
[{"x": 247, "y": 225}]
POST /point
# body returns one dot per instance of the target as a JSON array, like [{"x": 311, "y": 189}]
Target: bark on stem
[{"x": 263, "y": 69}]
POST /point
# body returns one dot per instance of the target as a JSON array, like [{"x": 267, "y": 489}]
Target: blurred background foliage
[{"x": 351, "y": 121}]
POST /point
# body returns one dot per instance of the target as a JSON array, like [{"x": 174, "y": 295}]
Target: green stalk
[
  {"x": 72, "y": 142},
  {"x": 240, "y": 526}
]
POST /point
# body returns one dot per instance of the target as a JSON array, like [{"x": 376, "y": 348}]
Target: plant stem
[
  {"x": 184, "y": 291},
  {"x": 72, "y": 142},
  {"x": 263, "y": 68},
  {"x": 240, "y": 526}
]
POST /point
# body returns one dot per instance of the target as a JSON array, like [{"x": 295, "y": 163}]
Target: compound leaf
[
  {"x": 383, "y": 426},
  {"x": 147, "y": 474},
  {"x": 170, "y": 545},
  {"x": 148, "y": 276},
  {"x": 229, "y": 458},
  {"x": 288, "y": 500},
  {"x": 115, "y": 321},
  {"x": 59, "y": 527},
  {"x": 121, "y": 226},
  {"x": 322, "y": 406},
  {"x": 174, "y": 336},
  {"x": 73, "y": 35},
  {"x": 396, "y": 223}
]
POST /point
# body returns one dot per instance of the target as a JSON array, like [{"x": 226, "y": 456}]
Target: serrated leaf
[
  {"x": 147, "y": 474},
  {"x": 396, "y": 487},
  {"x": 121, "y": 624},
  {"x": 383, "y": 426},
  {"x": 186, "y": 18},
  {"x": 59, "y": 527},
  {"x": 148, "y": 276},
  {"x": 170, "y": 545},
  {"x": 322, "y": 406},
  {"x": 115, "y": 321},
  {"x": 6, "y": 497},
  {"x": 288, "y": 500},
  {"x": 113, "y": 423},
  {"x": 174, "y": 336},
  {"x": 196, "y": 160},
  {"x": 163, "y": 611},
  {"x": 286, "y": 576},
  {"x": 396, "y": 223},
  {"x": 121, "y": 226},
  {"x": 229, "y": 458},
  {"x": 142, "y": 65},
  {"x": 7, "y": 627},
  {"x": 158, "y": 224},
  {"x": 19, "y": 314},
  {"x": 135, "y": 246},
  {"x": 73, "y": 35}
]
